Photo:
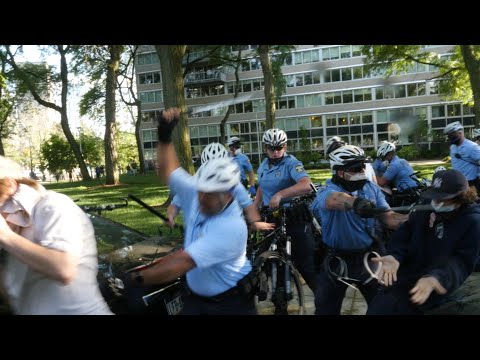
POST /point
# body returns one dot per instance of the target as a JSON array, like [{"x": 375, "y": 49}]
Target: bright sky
[{"x": 32, "y": 53}]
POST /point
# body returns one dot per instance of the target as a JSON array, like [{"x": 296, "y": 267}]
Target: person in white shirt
[{"x": 51, "y": 251}]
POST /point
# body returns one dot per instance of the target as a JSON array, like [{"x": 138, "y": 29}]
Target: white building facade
[{"x": 328, "y": 93}]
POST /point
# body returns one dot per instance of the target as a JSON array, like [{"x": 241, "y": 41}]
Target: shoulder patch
[{"x": 299, "y": 168}]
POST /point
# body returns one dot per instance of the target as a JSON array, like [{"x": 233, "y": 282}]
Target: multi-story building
[{"x": 328, "y": 93}]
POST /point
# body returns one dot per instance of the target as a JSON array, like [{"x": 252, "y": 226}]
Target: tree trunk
[
  {"x": 138, "y": 139},
  {"x": 471, "y": 56},
  {"x": 270, "y": 98},
  {"x": 62, "y": 110},
  {"x": 223, "y": 139},
  {"x": 111, "y": 170},
  {"x": 64, "y": 117},
  {"x": 174, "y": 96}
]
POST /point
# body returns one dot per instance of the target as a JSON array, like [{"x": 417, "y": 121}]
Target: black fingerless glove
[
  {"x": 363, "y": 207},
  {"x": 165, "y": 128}
]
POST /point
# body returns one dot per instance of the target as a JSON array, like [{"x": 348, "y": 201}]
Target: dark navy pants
[
  {"x": 330, "y": 292},
  {"x": 233, "y": 305},
  {"x": 303, "y": 251}
]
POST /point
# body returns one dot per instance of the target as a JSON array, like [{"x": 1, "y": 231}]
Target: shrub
[
  {"x": 408, "y": 152},
  {"x": 372, "y": 153}
]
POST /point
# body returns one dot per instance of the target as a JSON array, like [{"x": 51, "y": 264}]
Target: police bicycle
[{"x": 279, "y": 289}]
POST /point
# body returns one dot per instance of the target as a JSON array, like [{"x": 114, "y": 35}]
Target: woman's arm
[{"x": 58, "y": 265}]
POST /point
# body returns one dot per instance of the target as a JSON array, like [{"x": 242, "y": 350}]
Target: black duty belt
[{"x": 219, "y": 297}]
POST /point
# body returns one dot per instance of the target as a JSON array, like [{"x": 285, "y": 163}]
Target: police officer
[
  {"x": 214, "y": 258},
  {"x": 217, "y": 151},
  {"x": 343, "y": 206},
  {"x": 476, "y": 135},
  {"x": 335, "y": 142},
  {"x": 379, "y": 165},
  {"x": 465, "y": 154},
  {"x": 398, "y": 174},
  {"x": 281, "y": 176},
  {"x": 243, "y": 162}
]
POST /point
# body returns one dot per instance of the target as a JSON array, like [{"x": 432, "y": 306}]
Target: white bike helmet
[
  {"x": 214, "y": 151},
  {"x": 217, "y": 175},
  {"x": 274, "y": 137},
  {"x": 439, "y": 168},
  {"x": 453, "y": 127},
  {"x": 476, "y": 133},
  {"x": 345, "y": 155},
  {"x": 332, "y": 144},
  {"x": 384, "y": 149},
  {"x": 233, "y": 141}
]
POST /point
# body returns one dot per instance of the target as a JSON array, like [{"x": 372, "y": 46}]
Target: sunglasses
[
  {"x": 355, "y": 169},
  {"x": 275, "y": 148}
]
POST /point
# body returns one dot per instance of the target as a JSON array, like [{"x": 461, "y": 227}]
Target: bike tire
[{"x": 295, "y": 305}]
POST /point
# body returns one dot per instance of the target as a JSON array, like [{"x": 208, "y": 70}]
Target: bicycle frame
[{"x": 276, "y": 250}]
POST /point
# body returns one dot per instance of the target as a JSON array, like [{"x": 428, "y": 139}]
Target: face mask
[
  {"x": 454, "y": 140},
  {"x": 350, "y": 186},
  {"x": 238, "y": 151},
  {"x": 385, "y": 163},
  {"x": 439, "y": 208},
  {"x": 357, "y": 177}
]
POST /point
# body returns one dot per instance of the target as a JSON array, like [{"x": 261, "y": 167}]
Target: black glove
[
  {"x": 166, "y": 123},
  {"x": 363, "y": 207}
]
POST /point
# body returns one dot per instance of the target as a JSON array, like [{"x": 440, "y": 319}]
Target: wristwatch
[{"x": 137, "y": 278}]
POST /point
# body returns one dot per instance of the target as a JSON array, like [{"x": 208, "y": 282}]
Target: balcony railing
[{"x": 208, "y": 77}]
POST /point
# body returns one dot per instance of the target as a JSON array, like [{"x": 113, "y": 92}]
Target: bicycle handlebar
[{"x": 298, "y": 199}]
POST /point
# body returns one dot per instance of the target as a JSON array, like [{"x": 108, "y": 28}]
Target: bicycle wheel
[{"x": 274, "y": 299}]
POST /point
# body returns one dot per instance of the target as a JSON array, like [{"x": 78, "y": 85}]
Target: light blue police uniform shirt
[
  {"x": 281, "y": 176},
  {"x": 176, "y": 201},
  {"x": 216, "y": 243},
  {"x": 469, "y": 151},
  {"x": 398, "y": 172},
  {"x": 243, "y": 163},
  {"x": 344, "y": 229},
  {"x": 378, "y": 167}
]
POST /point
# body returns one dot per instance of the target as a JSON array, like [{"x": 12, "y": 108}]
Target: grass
[
  {"x": 145, "y": 187},
  {"x": 149, "y": 189}
]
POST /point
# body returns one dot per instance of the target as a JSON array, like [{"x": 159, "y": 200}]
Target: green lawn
[{"x": 148, "y": 189}]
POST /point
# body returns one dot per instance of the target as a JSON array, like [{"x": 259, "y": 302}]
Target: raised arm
[{"x": 167, "y": 160}]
